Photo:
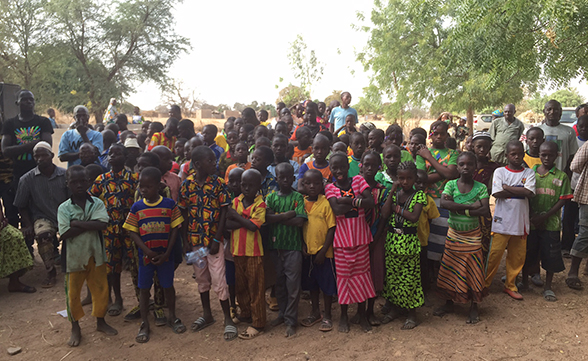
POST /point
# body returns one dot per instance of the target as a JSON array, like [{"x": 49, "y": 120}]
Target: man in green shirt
[{"x": 502, "y": 131}]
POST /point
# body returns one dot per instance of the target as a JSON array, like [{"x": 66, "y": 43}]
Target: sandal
[
  {"x": 134, "y": 314},
  {"x": 143, "y": 335},
  {"x": 114, "y": 310},
  {"x": 549, "y": 296},
  {"x": 231, "y": 333},
  {"x": 389, "y": 317},
  {"x": 409, "y": 324},
  {"x": 574, "y": 283},
  {"x": 250, "y": 333},
  {"x": 311, "y": 321},
  {"x": 160, "y": 319},
  {"x": 177, "y": 326},
  {"x": 201, "y": 323},
  {"x": 25, "y": 289},
  {"x": 536, "y": 280},
  {"x": 326, "y": 325}
]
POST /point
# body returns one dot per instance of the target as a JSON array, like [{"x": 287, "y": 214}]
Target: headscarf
[{"x": 498, "y": 113}]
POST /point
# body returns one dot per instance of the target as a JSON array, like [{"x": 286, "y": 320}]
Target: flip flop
[
  {"x": 537, "y": 281},
  {"x": 409, "y": 325},
  {"x": 549, "y": 296},
  {"x": 160, "y": 319},
  {"x": 142, "y": 336},
  {"x": 250, "y": 333},
  {"x": 200, "y": 324},
  {"x": 231, "y": 333},
  {"x": 134, "y": 314},
  {"x": 574, "y": 283},
  {"x": 311, "y": 321},
  {"x": 114, "y": 310},
  {"x": 25, "y": 289},
  {"x": 177, "y": 326},
  {"x": 326, "y": 325}
]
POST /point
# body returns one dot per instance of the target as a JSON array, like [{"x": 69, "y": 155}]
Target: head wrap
[
  {"x": 369, "y": 125},
  {"x": 44, "y": 145},
  {"x": 481, "y": 135},
  {"x": 78, "y": 107},
  {"x": 498, "y": 113}
]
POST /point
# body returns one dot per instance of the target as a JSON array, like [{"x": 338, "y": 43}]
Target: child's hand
[
  {"x": 232, "y": 214},
  {"x": 291, "y": 214},
  {"x": 320, "y": 257},
  {"x": 213, "y": 247},
  {"x": 539, "y": 221},
  {"x": 151, "y": 255},
  {"x": 304, "y": 250},
  {"x": 424, "y": 152},
  {"x": 160, "y": 259},
  {"x": 187, "y": 247}
]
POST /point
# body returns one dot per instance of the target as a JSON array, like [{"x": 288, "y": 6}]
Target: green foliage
[
  {"x": 335, "y": 96},
  {"x": 370, "y": 103},
  {"x": 292, "y": 94},
  {"x": 305, "y": 65},
  {"x": 567, "y": 97}
]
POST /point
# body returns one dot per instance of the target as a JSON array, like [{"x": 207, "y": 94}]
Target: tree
[
  {"x": 305, "y": 65},
  {"x": 370, "y": 103},
  {"x": 175, "y": 92},
  {"x": 292, "y": 94},
  {"x": 567, "y": 97},
  {"x": 131, "y": 42},
  {"x": 239, "y": 107},
  {"x": 335, "y": 96}
]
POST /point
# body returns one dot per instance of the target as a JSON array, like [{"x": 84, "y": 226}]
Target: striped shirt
[
  {"x": 246, "y": 242},
  {"x": 154, "y": 221},
  {"x": 550, "y": 188},
  {"x": 161, "y": 139},
  {"x": 283, "y": 236}
]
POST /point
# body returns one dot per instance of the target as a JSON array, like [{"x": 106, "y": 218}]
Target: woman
[
  {"x": 111, "y": 113},
  {"x": 15, "y": 258}
]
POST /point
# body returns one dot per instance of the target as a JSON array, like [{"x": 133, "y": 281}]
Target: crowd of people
[{"x": 311, "y": 201}]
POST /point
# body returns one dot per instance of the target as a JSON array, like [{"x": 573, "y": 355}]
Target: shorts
[
  {"x": 315, "y": 277},
  {"x": 165, "y": 273},
  {"x": 230, "y": 272},
  {"x": 545, "y": 246}
]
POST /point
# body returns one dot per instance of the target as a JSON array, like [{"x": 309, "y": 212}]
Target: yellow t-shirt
[
  {"x": 531, "y": 161},
  {"x": 429, "y": 212},
  {"x": 221, "y": 141},
  {"x": 320, "y": 219}
]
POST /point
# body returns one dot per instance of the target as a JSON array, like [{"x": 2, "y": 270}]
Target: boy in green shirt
[{"x": 543, "y": 243}]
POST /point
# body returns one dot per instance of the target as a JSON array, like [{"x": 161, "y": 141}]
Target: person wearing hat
[
  {"x": 503, "y": 130},
  {"x": 71, "y": 140},
  {"x": 40, "y": 192},
  {"x": 133, "y": 153}
]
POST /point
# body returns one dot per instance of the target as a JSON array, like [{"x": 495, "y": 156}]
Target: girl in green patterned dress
[
  {"x": 15, "y": 258},
  {"x": 403, "y": 289}
]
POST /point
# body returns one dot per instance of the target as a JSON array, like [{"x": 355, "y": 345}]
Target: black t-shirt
[{"x": 25, "y": 132}]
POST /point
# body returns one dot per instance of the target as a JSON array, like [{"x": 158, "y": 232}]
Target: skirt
[
  {"x": 486, "y": 229},
  {"x": 461, "y": 276},
  {"x": 354, "y": 279},
  {"x": 14, "y": 254},
  {"x": 403, "y": 281},
  {"x": 439, "y": 227}
]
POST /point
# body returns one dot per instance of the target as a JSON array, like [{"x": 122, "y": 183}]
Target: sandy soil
[{"x": 529, "y": 330}]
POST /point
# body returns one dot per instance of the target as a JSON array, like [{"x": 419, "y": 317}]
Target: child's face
[
  {"x": 143, "y": 163},
  {"x": 321, "y": 108},
  {"x": 547, "y": 156},
  {"x": 78, "y": 183},
  {"x": 179, "y": 149},
  {"x": 582, "y": 127},
  {"x": 262, "y": 116},
  {"x": 229, "y": 126},
  {"x": 250, "y": 186},
  {"x": 421, "y": 181},
  {"x": 414, "y": 144},
  {"x": 243, "y": 134},
  {"x": 375, "y": 140},
  {"x": 370, "y": 166},
  {"x": 438, "y": 137},
  {"x": 313, "y": 184},
  {"x": 152, "y": 129},
  {"x": 116, "y": 157},
  {"x": 396, "y": 138},
  {"x": 232, "y": 139},
  {"x": 350, "y": 122},
  {"x": 241, "y": 153},
  {"x": 206, "y": 166},
  {"x": 187, "y": 151},
  {"x": 184, "y": 131},
  {"x": 392, "y": 157},
  {"x": 289, "y": 123},
  {"x": 340, "y": 147},
  {"x": 304, "y": 141},
  {"x": 357, "y": 146},
  {"x": 406, "y": 179},
  {"x": 339, "y": 168},
  {"x": 280, "y": 146},
  {"x": 145, "y": 128},
  {"x": 481, "y": 147},
  {"x": 208, "y": 134},
  {"x": 238, "y": 124},
  {"x": 466, "y": 166},
  {"x": 346, "y": 99},
  {"x": 285, "y": 178},
  {"x": 258, "y": 161},
  {"x": 149, "y": 188},
  {"x": 320, "y": 149},
  {"x": 310, "y": 116},
  {"x": 234, "y": 183},
  {"x": 87, "y": 154},
  {"x": 282, "y": 129},
  {"x": 260, "y": 132},
  {"x": 515, "y": 155},
  {"x": 468, "y": 144},
  {"x": 534, "y": 140}
]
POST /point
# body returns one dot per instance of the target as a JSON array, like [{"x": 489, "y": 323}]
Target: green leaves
[{"x": 305, "y": 65}]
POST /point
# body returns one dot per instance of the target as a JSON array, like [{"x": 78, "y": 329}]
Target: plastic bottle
[{"x": 197, "y": 257}]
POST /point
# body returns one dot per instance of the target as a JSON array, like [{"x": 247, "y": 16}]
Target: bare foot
[
  {"x": 344, "y": 324},
  {"x": 373, "y": 320},
  {"x": 355, "y": 319},
  {"x": 365, "y": 324},
  {"x": 410, "y": 323},
  {"x": 76, "y": 335},
  {"x": 443, "y": 310},
  {"x": 290, "y": 331},
  {"x": 102, "y": 326}
]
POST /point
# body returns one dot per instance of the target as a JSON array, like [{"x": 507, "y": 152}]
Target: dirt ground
[{"x": 532, "y": 329}]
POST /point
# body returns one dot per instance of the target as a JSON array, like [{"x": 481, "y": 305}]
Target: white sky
[{"x": 239, "y": 49}]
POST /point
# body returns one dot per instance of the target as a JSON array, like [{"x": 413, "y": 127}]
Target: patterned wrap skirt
[
  {"x": 354, "y": 279},
  {"x": 14, "y": 254}
]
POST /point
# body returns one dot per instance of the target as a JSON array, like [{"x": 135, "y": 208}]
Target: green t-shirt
[
  {"x": 461, "y": 222},
  {"x": 405, "y": 156},
  {"x": 282, "y": 236},
  {"x": 445, "y": 157},
  {"x": 384, "y": 179},
  {"x": 353, "y": 166},
  {"x": 549, "y": 189}
]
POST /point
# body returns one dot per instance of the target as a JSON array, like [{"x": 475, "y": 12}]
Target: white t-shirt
[
  {"x": 511, "y": 215},
  {"x": 565, "y": 137}
]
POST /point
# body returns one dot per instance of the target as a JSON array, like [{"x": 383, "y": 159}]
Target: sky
[{"x": 239, "y": 49}]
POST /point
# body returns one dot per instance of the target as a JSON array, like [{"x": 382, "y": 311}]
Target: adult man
[
  {"x": 40, "y": 192},
  {"x": 564, "y": 136},
  {"x": 338, "y": 114},
  {"x": 502, "y": 131},
  {"x": 71, "y": 140}
]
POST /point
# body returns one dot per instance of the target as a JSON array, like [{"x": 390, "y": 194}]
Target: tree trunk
[{"x": 470, "y": 121}]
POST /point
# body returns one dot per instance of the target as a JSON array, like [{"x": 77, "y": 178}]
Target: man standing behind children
[
  {"x": 512, "y": 186},
  {"x": 287, "y": 215}
]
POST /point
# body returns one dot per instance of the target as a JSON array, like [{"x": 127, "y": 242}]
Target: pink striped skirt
[{"x": 354, "y": 279}]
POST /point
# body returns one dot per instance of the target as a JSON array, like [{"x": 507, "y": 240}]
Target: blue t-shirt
[
  {"x": 338, "y": 116},
  {"x": 71, "y": 141}
]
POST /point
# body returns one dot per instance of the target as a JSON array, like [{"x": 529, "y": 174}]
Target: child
[
  {"x": 240, "y": 155},
  {"x": 204, "y": 199},
  {"x": 371, "y": 163},
  {"x": 417, "y": 141},
  {"x": 535, "y": 137},
  {"x": 349, "y": 198},
  {"x": 166, "y": 137},
  {"x": 320, "y": 150},
  {"x": 461, "y": 276},
  {"x": 440, "y": 163},
  {"x": 318, "y": 267},
  {"x": 543, "y": 243},
  {"x": 179, "y": 150},
  {"x": 282, "y": 128},
  {"x": 392, "y": 158},
  {"x": 303, "y": 148},
  {"x": 375, "y": 140},
  {"x": 81, "y": 219},
  {"x": 280, "y": 148},
  {"x": 186, "y": 129},
  {"x": 153, "y": 224},
  {"x": 339, "y": 147},
  {"x": 402, "y": 210},
  {"x": 348, "y": 127},
  {"x": 481, "y": 145},
  {"x": 223, "y": 138},
  {"x": 246, "y": 133},
  {"x": 511, "y": 186},
  {"x": 394, "y": 135},
  {"x": 227, "y": 158},
  {"x": 286, "y": 215},
  {"x": 462, "y": 131},
  {"x": 209, "y": 132},
  {"x": 170, "y": 179},
  {"x": 358, "y": 146},
  {"x": 186, "y": 169},
  {"x": 117, "y": 190},
  {"x": 245, "y": 218},
  {"x": 145, "y": 127},
  {"x": 260, "y": 160}
]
